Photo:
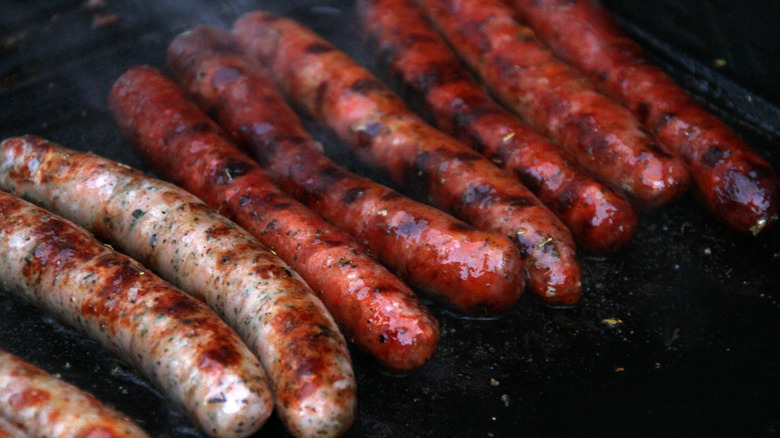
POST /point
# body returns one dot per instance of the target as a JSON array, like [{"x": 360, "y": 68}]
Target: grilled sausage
[
  {"x": 174, "y": 339},
  {"x": 43, "y": 406},
  {"x": 734, "y": 182},
  {"x": 8, "y": 430},
  {"x": 468, "y": 269},
  {"x": 339, "y": 93},
  {"x": 377, "y": 310},
  {"x": 553, "y": 97},
  {"x": 189, "y": 244},
  {"x": 600, "y": 220}
]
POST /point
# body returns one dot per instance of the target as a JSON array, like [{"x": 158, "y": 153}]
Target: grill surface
[{"x": 676, "y": 335}]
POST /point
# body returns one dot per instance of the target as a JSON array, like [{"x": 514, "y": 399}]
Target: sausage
[
  {"x": 186, "y": 242},
  {"x": 8, "y": 430},
  {"x": 554, "y": 98},
  {"x": 365, "y": 114},
  {"x": 472, "y": 271},
  {"x": 730, "y": 178},
  {"x": 377, "y": 310},
  {"x": 43, "y": 406},
  {"x": 174, "y": 339},
  {"x": 601, "y": 220}
]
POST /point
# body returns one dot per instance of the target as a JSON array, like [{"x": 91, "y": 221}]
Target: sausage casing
[
  {"x": 336, "y": 91},
  {"x": 732, "y": 180},
  {"x": 553, "y": 97},
  {"x": 189, "y": 244},
  {"x": 42, "y": 405},
  {"x": 174, "y": 339},
  {"x": 601, "y": 220}
]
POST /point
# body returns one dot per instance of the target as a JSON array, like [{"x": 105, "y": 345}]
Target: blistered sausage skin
[
  {"x": 174, "y": 339},
  {"x": 376, "y": 309},
  {"x": 41, "y": 405},
  {"x": 471, "y": 270},
  {"x": 554, "y": 98},
  {"x": 204, "y": 253},
  {"x": 601, "y": 220},
  {"x": 733, "y": 181},
  {"x": 336, "y": 91}
]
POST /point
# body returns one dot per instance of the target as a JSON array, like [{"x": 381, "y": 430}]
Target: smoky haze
[{"x": 65, "y": 55}]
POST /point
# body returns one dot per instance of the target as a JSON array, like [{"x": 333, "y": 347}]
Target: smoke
[{"x": 59, "y": 62}]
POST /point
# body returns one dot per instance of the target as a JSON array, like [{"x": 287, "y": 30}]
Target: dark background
[{"x": 677, "y": 335}]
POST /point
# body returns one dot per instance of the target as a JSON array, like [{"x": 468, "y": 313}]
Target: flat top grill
[{"x": 678, "y": 334}]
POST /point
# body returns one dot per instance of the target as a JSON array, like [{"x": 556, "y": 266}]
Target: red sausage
[
  {"x": 377, "y": 311},
  {"x": 733, "y": 181},
  {"x": 174, "y": 339},
  {"x": 41, "y": 405},
  {"x": 473, "y": 271},
  {"x": 339, "y": 93},
  {"x": 207, "y": 255},
  {"x": 601, "y": 220},
  {"x": 554, "y": 98}
]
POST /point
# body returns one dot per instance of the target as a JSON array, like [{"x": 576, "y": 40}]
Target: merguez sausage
[
  {"x": 378, "y": 311},
  {"x": 43, "y": 406},
  {"x": 554, "y": 98},
  {"x": 601, "y": 220},
  {"x": 273, "y": 309},
  {"x": 339, "y": 93},
  {"x": 734, "y": 182},
  {"x": 473, "y": 271},
  {"x": 174, "y": 339}
]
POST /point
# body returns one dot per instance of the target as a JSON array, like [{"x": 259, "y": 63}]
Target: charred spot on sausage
[
  {"x": 461, "y": 227},
  {"x": 520, "y": 201},
  {"x": 352, "y": 194},
  {"x": 219, "y": 356},
  {"x": 281, "y": 206},
  {"x": 181, "y": 306},
  {"x": 438, "y": 74},
  {"x": 471, "y": 108},
  {"x": 219, "y": 231},
  {"x": 642, "y": 111},
  {"x": 714, "y": 155},
  {"x": 366, "y": 85},
  {"x": 415, "y": 175},
  {"x": 367, "y": 134},
  {"x": 328, "y": 176},
  {"x": 663, "y": 120},
  {"x": 270, "y": 226},
  {"x": 231, "y": 169}
]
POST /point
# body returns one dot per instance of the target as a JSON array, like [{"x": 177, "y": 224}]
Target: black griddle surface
[{"x": 678, "y": 334}]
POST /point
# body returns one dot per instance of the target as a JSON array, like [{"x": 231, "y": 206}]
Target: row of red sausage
[{"x": 646, "y": 153}]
